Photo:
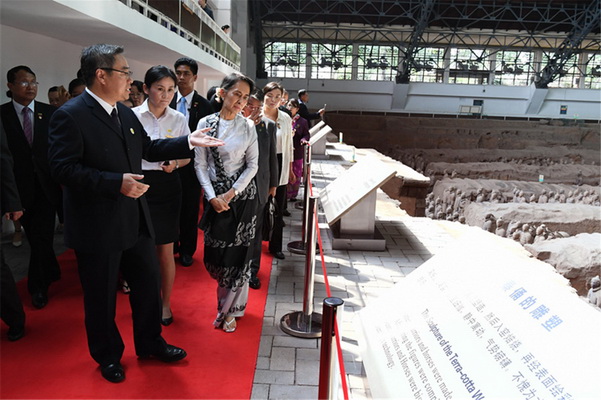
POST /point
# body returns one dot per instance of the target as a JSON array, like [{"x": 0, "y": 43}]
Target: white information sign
[
  {"x": 482, "y": 320},
  {"x": 321, "y": 135},
  {"x": 316, "y": 128},
  {"x": 352, "y": 186}
]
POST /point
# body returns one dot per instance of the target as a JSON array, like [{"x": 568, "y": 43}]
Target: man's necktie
[
  {"x": 182, "y": 106},
  {"x": 27, "y": 128},
  {"x": 115, "y": 118}
]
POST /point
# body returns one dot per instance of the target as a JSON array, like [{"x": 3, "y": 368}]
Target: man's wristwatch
[{"x": 235, "y": 193}]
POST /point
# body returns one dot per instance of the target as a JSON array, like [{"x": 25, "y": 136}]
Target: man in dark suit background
[
  {"x": 303, "y": 111},
  {"x": 267, "y": 175},
  {"x": 96, "y": 150},
  {"x": 194, "y": 107},
  {"x": 11, "y": 308},
  {"x": 25, "y": 122}
]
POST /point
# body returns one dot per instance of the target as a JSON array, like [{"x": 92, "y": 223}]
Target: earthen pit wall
[{"x": 384, "y": 132}]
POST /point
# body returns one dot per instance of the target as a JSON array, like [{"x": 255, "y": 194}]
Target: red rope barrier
[{"x": 329, "y": 293}]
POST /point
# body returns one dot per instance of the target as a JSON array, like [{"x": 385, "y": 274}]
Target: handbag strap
[
  {"x": 213, "y": 122},
  {"x": 224, "y": 182}
]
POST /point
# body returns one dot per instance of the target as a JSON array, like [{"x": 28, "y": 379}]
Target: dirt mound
[{"x": 577, "y": 258}]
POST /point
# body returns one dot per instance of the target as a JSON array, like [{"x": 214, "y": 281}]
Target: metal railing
[
  {"x": 307, "y": 323},
  {"x": 186, "y": 19}
]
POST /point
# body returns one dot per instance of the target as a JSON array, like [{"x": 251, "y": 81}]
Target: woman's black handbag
[
  {"x": 269, "y": 218},
  {"x": 220, "y": 226}
]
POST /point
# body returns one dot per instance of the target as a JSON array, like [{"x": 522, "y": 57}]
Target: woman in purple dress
[{"x": 300, "y": 129}]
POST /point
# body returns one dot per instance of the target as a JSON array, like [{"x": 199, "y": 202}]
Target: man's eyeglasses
[
  {"x": 127, "y": 74},
  {"x": 25, "y": 84},
  {"x": 251, "y": 107}
]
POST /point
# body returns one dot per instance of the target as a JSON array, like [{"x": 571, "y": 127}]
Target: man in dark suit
[
  {"x": 194, "y": 107},
  {"x": 26, "y": 122},
  {"x": 11, "y": 308},
  {"x": 267, "y": 175},
  {"x": 96, "y": 150},
  {"x": 303, "y": 111}
]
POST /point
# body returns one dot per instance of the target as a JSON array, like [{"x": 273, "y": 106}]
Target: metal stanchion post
[
  {"x": 326, "y": 360},
  {"x": 306, "y": 174},
  {"x": 306, "y": 323},
  {"x": 298, "y": 246}
]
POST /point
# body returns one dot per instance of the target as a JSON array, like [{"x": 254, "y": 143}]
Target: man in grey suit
[
  {"x": 267, "y": 175},
  {"x": 96, "y": 149}
]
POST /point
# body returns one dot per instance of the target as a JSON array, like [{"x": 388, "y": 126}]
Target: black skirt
[{"x": 164, "y": 197}]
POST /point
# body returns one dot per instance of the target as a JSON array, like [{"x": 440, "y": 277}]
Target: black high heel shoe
[{"x": 167, "y": 321}]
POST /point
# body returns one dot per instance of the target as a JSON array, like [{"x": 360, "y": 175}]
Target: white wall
[
  {"x": 50, "y": 36},
  {"x": 54, "y": 62},
  {"x": 336, "y": 94},
  {"x": 447, "y": 98},
  {"x": 580, "y": 103},
  {"x": 222, "y": 10},
  {"x": 439, "y": 98}
]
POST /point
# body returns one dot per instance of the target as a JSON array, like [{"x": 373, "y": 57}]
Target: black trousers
[
  {"x": 257, "y": 244},
  {"x": 275, "y": 243},
  {"x": 188, "y": 223},
  {"x": 99, "y": 273},
  {"x": 38, "y": 221},
  {"x": 11, "y": 308}
]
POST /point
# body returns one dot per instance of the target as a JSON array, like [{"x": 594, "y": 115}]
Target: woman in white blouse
[
  {"x": 165, "y": 191},
  {"x": 273, "y": 92},
  {"x": 226, "y": 175}
]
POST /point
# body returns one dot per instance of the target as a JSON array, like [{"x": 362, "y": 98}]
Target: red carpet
[{"x": 52, "y": 360}]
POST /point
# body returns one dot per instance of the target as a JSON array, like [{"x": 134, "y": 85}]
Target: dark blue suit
[
  {"x": 303, "y": 111},
  {"x": 11, "y": 308},
  {"x": 89, "y": 154},
  {"x": 39, "y": 193},
  {"x": 191, "y": 190}
]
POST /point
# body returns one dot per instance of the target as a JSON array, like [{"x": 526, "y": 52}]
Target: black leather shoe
[
  {"x": 113, "y": 373},
  {"x": 185, "y": 260},
  {"x": 15, "y": 333},
  {"x": 286, "y": 213},
  {"x": 39, "y": 300},
  {"x": 254, "y": 283},
  {"x": 279, "y": 255},
  {"x": 168, "y": 353}
]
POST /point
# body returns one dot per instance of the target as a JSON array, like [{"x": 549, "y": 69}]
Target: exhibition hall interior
[{"x": 438, "y": 235}]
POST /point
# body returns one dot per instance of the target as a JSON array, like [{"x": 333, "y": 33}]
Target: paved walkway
[{"x": 288, "y": 367}]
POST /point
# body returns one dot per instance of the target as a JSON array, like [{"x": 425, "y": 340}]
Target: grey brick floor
[{"x": 288, "y": 367}]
